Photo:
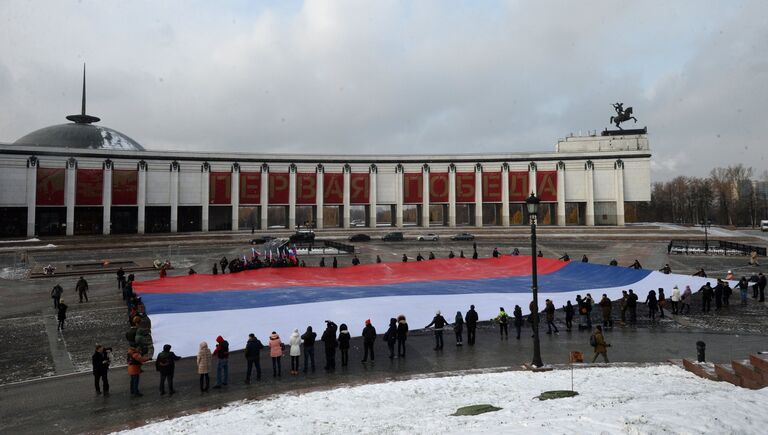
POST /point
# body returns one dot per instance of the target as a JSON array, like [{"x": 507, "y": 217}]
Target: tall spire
[{"x": 82, "y": 118}]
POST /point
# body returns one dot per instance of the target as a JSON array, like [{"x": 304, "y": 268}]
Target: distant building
[{"x": 80, "y": 178}]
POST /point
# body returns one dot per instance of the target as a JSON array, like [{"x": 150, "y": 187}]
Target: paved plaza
[{"x": 46, "y": 381}]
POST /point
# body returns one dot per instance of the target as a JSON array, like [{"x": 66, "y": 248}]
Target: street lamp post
[
  {"x": 706, "y": 224},
  {"x": 533, "y": 209}
]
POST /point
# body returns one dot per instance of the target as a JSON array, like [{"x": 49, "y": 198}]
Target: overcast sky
[{"x": 388, "y": 76}]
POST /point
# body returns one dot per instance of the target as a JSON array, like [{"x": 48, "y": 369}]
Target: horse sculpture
[{"x": 621, "y": 115}]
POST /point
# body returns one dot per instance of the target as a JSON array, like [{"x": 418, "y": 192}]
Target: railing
[{"x": 717, "y": 247}]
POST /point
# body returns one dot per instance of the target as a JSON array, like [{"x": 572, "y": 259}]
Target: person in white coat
[
  {"x": 675, "y": 298},
  {"x": 295, "y": 342}
]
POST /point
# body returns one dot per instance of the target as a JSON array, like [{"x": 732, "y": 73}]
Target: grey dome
[{"x": 81, "y": 136}]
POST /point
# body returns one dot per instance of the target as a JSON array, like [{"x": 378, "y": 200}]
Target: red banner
[
  {"x": 359, "y": 188},
  {"x": 125, "y": 184},
  {"x": 306, "y": 188},
  {"x": 412, "y": 188},
  {"x": 90, "y": 183},
  {"x": 50, "y": 186},
  {"x": 518, "y": 186},
  {"x": 438, "y": 187},
  {"x": 333, "y": 189},
  {"x": 250, "y": 188},
  {"x": 465, "y": 187},
  {"x": 220, "y": 188},
  {"x": 491, "y": 186},
  {"x": 279, "y": 187},
  {"x": 546, "y": 185}
]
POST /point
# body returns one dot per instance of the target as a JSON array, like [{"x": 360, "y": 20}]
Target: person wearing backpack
[
  {"x": 165, "y": 364},
  {"x": 252, "y": 352},
  {"x": 222, "y": 366},
  {"x": 503, "y": 319},
  {"x": 597, "y": 341}
]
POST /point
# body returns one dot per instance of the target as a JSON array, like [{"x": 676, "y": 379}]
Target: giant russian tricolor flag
[{"x": 188, "y": 309}]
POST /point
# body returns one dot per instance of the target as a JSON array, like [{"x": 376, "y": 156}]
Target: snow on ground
[
  {"x": 638, "y": 400},
  {"x": 20, "y": 241}
]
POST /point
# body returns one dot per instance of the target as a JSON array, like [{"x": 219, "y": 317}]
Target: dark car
[
  {"x": 302, "y": 236},
  {"x": 463, "y": 236},
  {"x": 360, "y": 238},
  {"x": 393, "y": 237},
  {"x": 261, "y": 240}
]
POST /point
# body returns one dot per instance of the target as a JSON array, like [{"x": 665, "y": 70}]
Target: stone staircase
[{"x": 749, "y": 373}]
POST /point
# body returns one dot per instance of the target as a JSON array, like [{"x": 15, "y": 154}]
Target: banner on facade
[
  {"x": 306, "y": 188},
  {"x": 333, "y": 188},
  {"x": 359, "y": 188},
  {"x": 413, "y": 190},
  {"x": 438, "y": 187},
  {"x": 518, "y": 186},
  {"x": 279, "y": 188},
  {"x": 125, "y": 184},
  {"x": 465, "y": 187},
  {"x": 491, "y": 186},
  {"x": 50, "y": 186},
  {"x": 89, "y": 186},
  {"x": 220, "y": 188},
  {"x": 546, "y": 185},
  {"x": 250, "y": 188}
]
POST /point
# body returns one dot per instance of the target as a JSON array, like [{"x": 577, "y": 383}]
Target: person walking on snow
[
  {"x": 61, "y": 315},
  {"x": 56, "y": 293},
  {"x": 82, "y": 289},
  {"x": 439, "y": 322}
]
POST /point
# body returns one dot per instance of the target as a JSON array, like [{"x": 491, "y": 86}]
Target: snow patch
[{"x": 656, "y": 399}]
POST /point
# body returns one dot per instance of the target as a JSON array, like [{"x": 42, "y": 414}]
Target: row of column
[{"x": 71, "y": 173}]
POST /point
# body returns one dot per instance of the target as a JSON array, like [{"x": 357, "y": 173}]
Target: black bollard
[{"x": 700, "y": 350}]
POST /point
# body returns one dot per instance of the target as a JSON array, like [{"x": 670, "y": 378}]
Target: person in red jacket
[
  {"x": 135, "y": 361},
  {"x": 222, "y": 366}
]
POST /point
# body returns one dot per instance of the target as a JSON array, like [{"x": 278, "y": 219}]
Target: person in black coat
[
  {"x": 61, "y": 315},
  {"x": 252, "y": 357},
  {"x": 439, "y": 322},
  {"x": 569, "y": 310},
  {"x": 518, "y": 315},
  {"x": 309, "y": 338},
  {"x": 335, "y": 263},
  {"x": 100, "y": 361},
  {"x": 653, "y": 305},
  {"x": 329, "y": 339},
  {"x": 471, "y": 320},
  {"x": 391, "y": 337},
  {"x": 344, "y": 339},
  {"x": 369, "y": 336},
  {"x": 402, "y": 335},
  {"x": 706, "y": 297},
  {"x": 458, "y": 328},
  {"x": 166, "y": 364}
]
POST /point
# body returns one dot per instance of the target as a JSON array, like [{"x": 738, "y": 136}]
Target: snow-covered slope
[{"x": 657, "y": 399}]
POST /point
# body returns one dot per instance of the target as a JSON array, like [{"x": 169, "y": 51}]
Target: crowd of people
[{"x": 336, "y": 339}]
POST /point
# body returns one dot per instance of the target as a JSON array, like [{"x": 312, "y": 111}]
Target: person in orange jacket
[{"x": 135, "y": 361}]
